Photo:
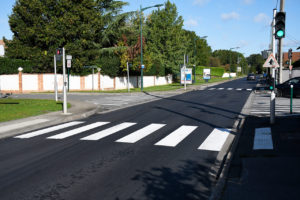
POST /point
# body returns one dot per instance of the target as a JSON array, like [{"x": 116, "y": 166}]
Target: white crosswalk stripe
[
  {"x": 220, "y": 88},
  {"x": 109, "y": 131},
  {"x": 48, "y": 130},
  {"x": 177, "y": 136},
  {"x": 140, "y": 134},
  {"x": 215, "y": 140},
  {"x": 239, "y": 89},
  {"x": 211, "y": 88},
  {"x": 229, "y": 88},
  {"x": 77, "y": 131}
]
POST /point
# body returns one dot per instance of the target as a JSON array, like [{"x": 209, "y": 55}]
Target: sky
[{"x": 226, "y": 23}]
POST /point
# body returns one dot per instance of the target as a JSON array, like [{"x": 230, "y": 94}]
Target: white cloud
[
  {"x": 230, "y": 16},
  {"x": 191, "y": 23},
  {"x": 201, "y": 2},
  {"x": 262, "y": 18},
  {"x": 248, "y": 2}
]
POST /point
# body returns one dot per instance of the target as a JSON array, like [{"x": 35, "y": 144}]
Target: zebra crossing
[
  {"x": 261, "y": 105},
  {"x": 231, "y": 89},
  {"x": 213, "y": 142}
]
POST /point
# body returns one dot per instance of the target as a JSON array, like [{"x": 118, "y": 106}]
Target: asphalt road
[{"x": 172, "y": 162}]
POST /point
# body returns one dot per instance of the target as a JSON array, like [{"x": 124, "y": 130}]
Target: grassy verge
[
  {"x": 173, "y": 86},
  {"x": 12, "y": 109}
]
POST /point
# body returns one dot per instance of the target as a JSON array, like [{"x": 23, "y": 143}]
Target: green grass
[{"x": 12, "y": 109}]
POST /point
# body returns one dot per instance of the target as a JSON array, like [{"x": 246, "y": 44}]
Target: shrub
[{"x": 10, "y": 66}]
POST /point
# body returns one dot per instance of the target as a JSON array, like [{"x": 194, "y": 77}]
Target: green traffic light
[
  {"x": 280, "y": 33},
  {"x": 271, "y": 88}
]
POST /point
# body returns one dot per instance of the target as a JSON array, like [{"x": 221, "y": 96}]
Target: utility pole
[
  {"x": 184, "y": 68},
  {"x": 280, "y": 54},
  {"x": 55, "y": 79}
]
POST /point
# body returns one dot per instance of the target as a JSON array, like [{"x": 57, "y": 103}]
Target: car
[
  {"x": 284, "y": 89},
  {"x": 251, "y": 76}
]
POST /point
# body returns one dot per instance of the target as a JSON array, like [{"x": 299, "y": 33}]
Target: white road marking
[
  {"x": 176, "y": 136},
  {"x": 211, "y": 88},
  {"x": 220, "y": 88},
  {"x": 239, "y": 89},
  {"x": 229, "y": 88},
  {"x": 215, "y": 140},
  {"x": 140, "y": 134},
  {"x": 21, "y": 125},
  {"x": 48, "y": 130},
  {"x": 249, "y": 89},
  {"x": 109, "y": 131},
  {"x": 77, "y": 130},
  {"x": 263, "y": 139}
]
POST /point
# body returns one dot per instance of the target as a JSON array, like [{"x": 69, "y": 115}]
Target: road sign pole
[
  {"x": 272, "y": 99},
  {"x": 184, "y": 68},
  {"x": 55, "y": 79},
  {"x": 68, "y": 79},
  {"x": 65, "y": 83},
  {"x": 93, "y": 79}
]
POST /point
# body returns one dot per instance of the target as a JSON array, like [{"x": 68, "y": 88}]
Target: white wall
[
  {"x": 9, "y": 82},
  {"x": 2, "y": 51},
  {"x": 106, "y": 82},
  {"x": 30, "y": 82},
  {"x": 89, "y": 82}
]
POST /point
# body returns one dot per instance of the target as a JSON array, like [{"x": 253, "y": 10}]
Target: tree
[
  {"x": 164, "y": 38},
  {"x": 256, "y": 61},
  {"x": 83, "y": 27}
]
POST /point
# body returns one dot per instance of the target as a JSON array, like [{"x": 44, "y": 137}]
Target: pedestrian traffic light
[
  {"x": 59, "y": 52},
  {"x": 290, "y": 54},
  {"x": 280, "y": 25}
]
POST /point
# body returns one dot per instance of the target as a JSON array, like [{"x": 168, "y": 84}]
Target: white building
[{"x": 2, "y": 49}]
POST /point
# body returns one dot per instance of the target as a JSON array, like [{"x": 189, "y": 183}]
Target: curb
[{"x": 222, "y": 164}]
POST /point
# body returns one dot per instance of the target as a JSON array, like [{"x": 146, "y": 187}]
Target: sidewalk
[{"x": 266, "y": 162}]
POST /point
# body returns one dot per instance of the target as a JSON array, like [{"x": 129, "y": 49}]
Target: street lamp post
[
  {"x": 230, "y": 60},
  {"x": 142, "y": 66}
]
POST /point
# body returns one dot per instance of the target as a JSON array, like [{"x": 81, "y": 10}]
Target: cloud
[
  {"x": 191, "y": 23},
  {"x": 230, "y": 16},
  {"x": 201, "y": 2},
  {"x": 248, "y": 2},
  {"x": 262, "y": 18}
]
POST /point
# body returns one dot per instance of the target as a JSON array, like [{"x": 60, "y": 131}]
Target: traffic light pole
[
  {"x": 272, "y": 96},
  {"x": 280, "y": 54}
]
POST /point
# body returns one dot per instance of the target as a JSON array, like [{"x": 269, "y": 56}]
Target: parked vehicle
[
  {"x": 284, "y": 89},
  {"x": 251, "y": 76}
]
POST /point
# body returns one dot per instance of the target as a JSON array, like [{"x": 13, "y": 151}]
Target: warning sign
[{"x": 271, "y": 62}]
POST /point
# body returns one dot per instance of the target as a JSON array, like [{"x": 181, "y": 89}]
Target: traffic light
[
  {"x": 59, "y": 52},
  {"x": 290, "y": 54},
  {"x": 280, "y": 25}
]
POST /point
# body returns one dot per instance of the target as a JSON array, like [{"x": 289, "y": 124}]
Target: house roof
[{"x": 295, "y": 57}]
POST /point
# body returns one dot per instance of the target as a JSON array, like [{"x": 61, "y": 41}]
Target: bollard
[{"x": 291, "y": 102}]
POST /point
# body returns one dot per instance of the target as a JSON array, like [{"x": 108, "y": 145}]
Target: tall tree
[
  {"x": 81, "y": 26},
  {"x": 164, "y": 38},
  {"x": 256, "y": 61}
]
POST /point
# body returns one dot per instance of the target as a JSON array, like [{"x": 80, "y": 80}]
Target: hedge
[
  {"x": 10, "y": 66},
  {"x": 215, "y": 71}
]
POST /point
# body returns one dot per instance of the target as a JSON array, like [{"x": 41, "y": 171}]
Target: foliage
[
  {"x": 10, "y": 66},
  {"x": 256, "y": 61},
  {"x": 214, "y": 62},
  {"x": 109, "y": 64},
  {"x": 82, "y": 27}
]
